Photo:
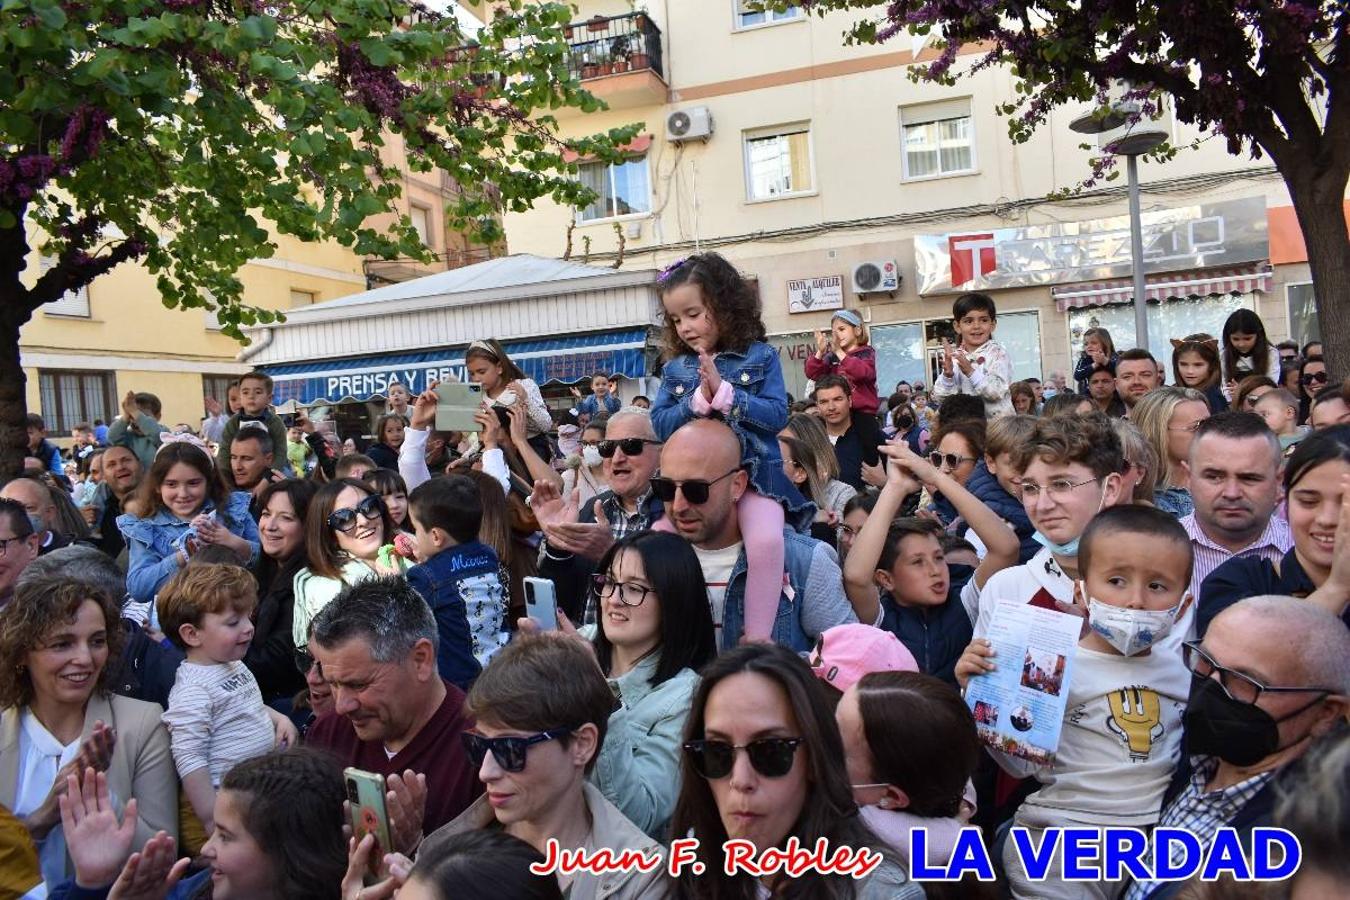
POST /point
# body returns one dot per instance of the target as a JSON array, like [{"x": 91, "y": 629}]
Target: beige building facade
[{"x": 801, "y": 160}]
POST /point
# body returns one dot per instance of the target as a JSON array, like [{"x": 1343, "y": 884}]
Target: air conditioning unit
[
  {"x": 878, "y": 276},
  {"x": 693, "y": 124}
]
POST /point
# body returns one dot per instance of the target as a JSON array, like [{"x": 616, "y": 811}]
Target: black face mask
[{"x": 1237, "y": 733}]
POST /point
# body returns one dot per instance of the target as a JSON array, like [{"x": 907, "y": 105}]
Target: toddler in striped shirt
[{"x": 216, "y": 715}]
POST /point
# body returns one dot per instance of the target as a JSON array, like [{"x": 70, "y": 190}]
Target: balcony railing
[{"x": 612, "y": 45}]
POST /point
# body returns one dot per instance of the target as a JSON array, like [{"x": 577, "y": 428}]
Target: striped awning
[{"x": 1166, "y": 286}]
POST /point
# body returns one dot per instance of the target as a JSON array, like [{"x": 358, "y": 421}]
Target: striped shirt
[
  {"x": 1271, "y": 545},
  {"x": 216, "y": 718}
]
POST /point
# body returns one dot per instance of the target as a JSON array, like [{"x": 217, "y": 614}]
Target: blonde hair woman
[{"x": 1168, "y": 417}]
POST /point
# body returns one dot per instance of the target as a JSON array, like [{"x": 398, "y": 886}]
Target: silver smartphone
[
  {"x": 456, "y": 405},
  {"x": 541, "y": 603}
]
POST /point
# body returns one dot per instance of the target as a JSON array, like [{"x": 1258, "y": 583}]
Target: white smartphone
[{"x": 541, "y": 603}]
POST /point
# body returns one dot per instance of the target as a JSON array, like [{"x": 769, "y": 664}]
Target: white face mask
[
  {"x": 1131, "y": 631},
  {"x": 590, "y": 455}
]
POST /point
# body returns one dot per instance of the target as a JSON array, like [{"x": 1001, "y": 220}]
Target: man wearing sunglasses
[
  {"x": 701, "y": 480},
  {"x": 1268, "y": 679},
  {"x": 375, "y": 646},
  {"x": 576, "y": 538}
]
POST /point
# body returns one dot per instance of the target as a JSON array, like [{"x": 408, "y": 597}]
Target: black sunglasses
[
  {"x": 629, "y": 446},
  {"x": 695, "y": 490},
  {"x": 508, "y": 751},
  {"x": 951, "y": 459},
  {"x": 304, "y": 661},
  {"x": 1314, "y": 378},
  {"x": 770, "y": 757},
  {"x": 344, "y": 520}
]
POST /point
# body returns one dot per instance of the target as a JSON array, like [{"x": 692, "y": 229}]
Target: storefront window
[
  {"x": 1303, "y": 325},
  {"x": 793, "y": 349},
  {"x": 900, "y": 355},
  {"x": 1176, "y": 318}
]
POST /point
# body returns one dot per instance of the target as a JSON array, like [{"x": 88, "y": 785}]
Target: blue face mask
[
  {"x": 1069, "y": 549},
  {"x": 1049, "y": 392}
]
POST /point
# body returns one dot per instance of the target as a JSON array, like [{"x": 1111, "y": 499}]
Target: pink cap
[{"x": 845, "y": 653}]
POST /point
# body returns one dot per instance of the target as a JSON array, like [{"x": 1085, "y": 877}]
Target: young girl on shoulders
[
  {"x": 1246, "y": 350},
  {"x": 720, "y": 364},
  {"x": 1098, "y": 351},
  {"x": 847, "y": 352}
]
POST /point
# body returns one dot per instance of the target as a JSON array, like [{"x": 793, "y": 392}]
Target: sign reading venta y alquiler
[
  {"x": 1187, "y": 237},
  {"x": 811, "y": 294}
]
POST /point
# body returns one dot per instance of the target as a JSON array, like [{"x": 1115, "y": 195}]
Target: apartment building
[{"x": 833, "y": 178}]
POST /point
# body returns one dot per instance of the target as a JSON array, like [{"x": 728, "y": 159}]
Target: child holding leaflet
[
  {"x": 1122, "y": 724},
  {"x": 721, "y": 364}
]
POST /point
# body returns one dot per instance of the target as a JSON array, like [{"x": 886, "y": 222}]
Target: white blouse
[{"x": 41, "y": 756}]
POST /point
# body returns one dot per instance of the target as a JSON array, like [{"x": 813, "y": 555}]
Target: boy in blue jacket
[
  {"x": 459, "y": 577},
  {"x": 994, "y": 481}
]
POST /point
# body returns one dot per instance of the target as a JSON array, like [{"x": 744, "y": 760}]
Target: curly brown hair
[
  {"x": 1088, "y": 439},
  {"x": 39, "y": 607},
  {"x": 731, "y": 298}
]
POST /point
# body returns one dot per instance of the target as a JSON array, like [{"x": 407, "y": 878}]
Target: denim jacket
[
  {"x": 152, "y": 558},
  {"x": 758, "y": 408},
  {"x": 463, "y": 587},
  {"x": 638, "y": 769},
  {"x": 812, "y": 600}
]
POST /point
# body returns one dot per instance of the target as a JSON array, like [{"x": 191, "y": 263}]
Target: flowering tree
[
  {"x": 184, "y": 133},
  {"x": 1271, "y": 76}
]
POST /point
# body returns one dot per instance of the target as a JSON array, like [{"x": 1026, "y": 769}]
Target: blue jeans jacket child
[{"x": 464, "y": 589}]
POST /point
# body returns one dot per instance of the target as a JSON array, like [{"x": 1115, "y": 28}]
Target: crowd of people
[{"x": 768, "y": 610}]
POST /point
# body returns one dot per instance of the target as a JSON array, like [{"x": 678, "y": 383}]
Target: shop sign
[
  {"x": 1190, "y": 237},
  {"x": 811, "y": 294}
]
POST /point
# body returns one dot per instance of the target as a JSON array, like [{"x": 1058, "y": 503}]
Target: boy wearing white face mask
[{"x": 1122, "y": 726}]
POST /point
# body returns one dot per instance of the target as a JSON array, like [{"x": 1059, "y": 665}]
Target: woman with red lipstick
[
  {"x": 762, "y": 764},
  {"x": 56, "y": 637}
]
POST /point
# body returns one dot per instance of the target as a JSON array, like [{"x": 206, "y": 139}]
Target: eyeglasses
[
  {"x": 1314, "y": 378},
  {"x": 1193, "y": 427},
  {"x": 630, "y": 594},
  {"x": 304, "y": 662},
  {"x": 849, "y": 530},
  {"x": 344, "y": 520},
  {"x": 509, "y": 752},
  {"x": 951, "y": 459},
  {"x": 629, "y": 446},
  {"x": 1252, "y": 399},
  {"x": 695, "y": 490},
  {"x": 1239, "y": 687},
  {"x": 5, "y": 542},
  {"x": 770, "y": 757},
  {"x": 1057, "y": 488}
]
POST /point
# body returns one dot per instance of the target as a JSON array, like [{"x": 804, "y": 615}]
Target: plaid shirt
[
  {"x": 1201, "y": 812},
  {"x": 621, "y": 524}
]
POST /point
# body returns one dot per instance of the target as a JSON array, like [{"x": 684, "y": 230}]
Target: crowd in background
[{"x": 768, "y": 610}]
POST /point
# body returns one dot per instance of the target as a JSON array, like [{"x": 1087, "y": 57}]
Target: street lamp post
[{"x": 1130, "y": 139}]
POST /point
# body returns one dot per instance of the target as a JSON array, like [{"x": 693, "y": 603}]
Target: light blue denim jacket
[
  {"x": 152, "y": 559},
  {"x": 812, "y": 600},
  {"x": 638, "y": 769}
]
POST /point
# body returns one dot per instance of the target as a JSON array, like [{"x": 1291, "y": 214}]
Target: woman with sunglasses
[
  {"x": 1312, "y": 378},
  {"x": 1253, "y": 388},
  {"x": 542, "y": 710},
  {"x": 957, "y": 449},
  {"x": 348, "y": 535},
  {"x": 653, "y": 632},
  {"x": 1317, "y": 497},
  {"x": 1168, "y": 417},
  {"x": 762, "y": 762}
]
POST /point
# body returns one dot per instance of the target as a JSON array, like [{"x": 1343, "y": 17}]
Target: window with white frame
[
  {"x": 778, "y": 162},
  {"x": 421, "y": 223},
  {"x": 621, "y": 189},
  {"x": 72, "y": 303},
  {"x": 937, "y": 139},
  {"x": 747, "y": 16}
]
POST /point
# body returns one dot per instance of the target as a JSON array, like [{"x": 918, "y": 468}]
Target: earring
[{"x": 885, "y": 803}]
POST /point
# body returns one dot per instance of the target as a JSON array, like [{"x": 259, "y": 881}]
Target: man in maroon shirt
[{"x": 393, "y": 714}]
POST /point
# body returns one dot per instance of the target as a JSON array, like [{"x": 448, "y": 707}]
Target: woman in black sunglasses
[
  {"x": 762, "y": 762},
  {"x": 347, "y": 540},
  {"x": 653, "y": 632}
]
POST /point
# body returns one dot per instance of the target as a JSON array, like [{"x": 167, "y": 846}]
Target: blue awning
[{"x": 555, "y": 360}]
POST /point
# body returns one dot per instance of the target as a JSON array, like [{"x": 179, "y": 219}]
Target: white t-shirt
[
  {"x": 717, "y": 566},
  {"x": 1119, "y": 746},
  {"x": 1039, "y": 580}
]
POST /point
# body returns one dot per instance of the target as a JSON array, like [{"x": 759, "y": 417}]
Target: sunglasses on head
[
  {"x": 344, "y": 520},
  {"x": 770, "y": 757},
  {"x": 629, "y": 446},
  {"x": 952, "y": 460},
  {"x": 509, "y": 752},
  {"x": 695, "y": 490}
]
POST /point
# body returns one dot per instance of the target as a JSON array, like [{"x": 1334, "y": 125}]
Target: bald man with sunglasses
[{"x": 700, "y": 481}]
